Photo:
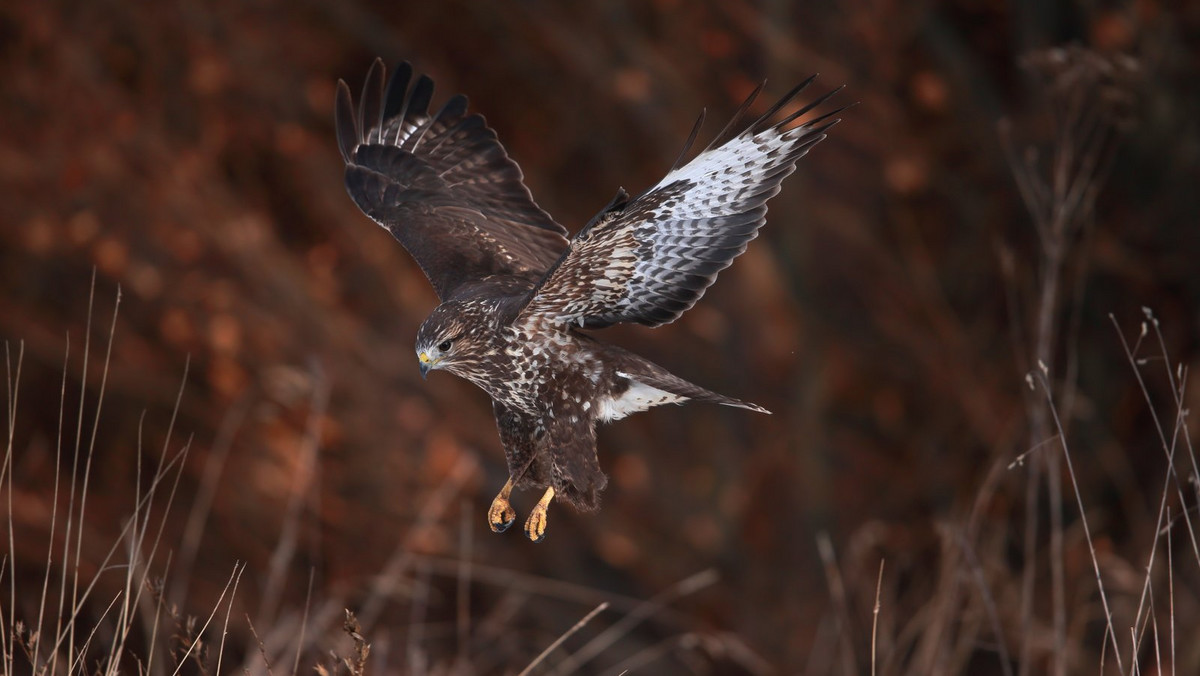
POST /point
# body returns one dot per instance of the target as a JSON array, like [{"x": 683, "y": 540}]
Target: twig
[
  {"x": 303, "y": 622},
  {"x": 262, "y": 649},
  {"x": 637, "y": 662},
  {"x": 76, "y": 665},
  {"x": 1178, "y": 384},
  {"x": 561, "y": 639},
  {"x": 238, "y": 569},
  {"x": 1171, "y": 599},
  {"x": 463, "y": 591},
  {"x": 225, "y": 631},
  {"x": 362, "y": 649},
  {"x": 417, "y": 661},
  {"x": 138, "y": 537},
  {"x": 614, "y": 633},
  {"x": 1145, "y": 602},
  {"x": 1162, "y": 437},
  {"x": 193, "y": 530},
  {"x": 6, "y": 471},
  {"x": 838, "y": 590},
  {"x": 1019, "y": 461},
  {"x": 536, "y": 585},
  {"x": 152, "y": 667},
  {"x": 875, "y": 616},
  {"x": 402, "y": 556},
  {"x": 71, "y": 516},
  {"x": 1087, "y": 531},
  {"x": 62, "y": 402},
  {"x": 1085, "y": 91},
  {"x": 989, "y": 603},
  {"x": 289, "y": 534}
]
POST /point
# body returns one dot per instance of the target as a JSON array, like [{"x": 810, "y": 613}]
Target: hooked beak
[{"x": 424, "y": 363}]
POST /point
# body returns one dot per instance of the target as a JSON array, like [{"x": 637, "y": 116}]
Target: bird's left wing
[
  {"x": 441, "y": 183},
  {"x": 649, "y": 259}
]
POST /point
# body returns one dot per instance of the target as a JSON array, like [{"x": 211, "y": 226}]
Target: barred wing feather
[{"x": 648, "y": 260}]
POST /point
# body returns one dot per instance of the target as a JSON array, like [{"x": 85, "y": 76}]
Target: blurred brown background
[{"x": 185, "y": 152}]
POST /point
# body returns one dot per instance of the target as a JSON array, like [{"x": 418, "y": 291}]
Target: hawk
[{"x": 517, "y": 293}]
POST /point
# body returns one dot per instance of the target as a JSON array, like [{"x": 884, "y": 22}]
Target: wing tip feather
[
  {"x": 396, "y": 93},
  {"x": 344, "y": 121},
  {"x": 687, "y": 145},
  {"x": 763, "y": 120},
  {"x": 370, "y": 103},
  {"x": 730, "y": 130},
  {"x": 813, "y": 105}
]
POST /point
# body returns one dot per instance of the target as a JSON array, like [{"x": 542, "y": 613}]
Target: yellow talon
[
  {"x": 501, "y": 515},
  {"x": 535, "y": 526}
]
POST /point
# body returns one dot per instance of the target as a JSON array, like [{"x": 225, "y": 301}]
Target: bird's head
[{"x": 449, "y": 340}]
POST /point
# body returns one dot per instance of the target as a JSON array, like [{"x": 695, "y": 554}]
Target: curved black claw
[
  {"x": 536, "y": 532},
  {"x": 501, "y": 516},
  {"x": 501, "y": 526}
]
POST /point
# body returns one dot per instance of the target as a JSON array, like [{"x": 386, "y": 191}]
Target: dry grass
[
  {"x": 184, "y": 152},
  {"x": 140, "y": 630},
  {"x": 1088, "y": 99}
]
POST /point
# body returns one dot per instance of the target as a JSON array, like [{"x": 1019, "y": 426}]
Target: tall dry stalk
[
  {"x": 66, "y": 636},
  {"x": 1088, "y": 97}
]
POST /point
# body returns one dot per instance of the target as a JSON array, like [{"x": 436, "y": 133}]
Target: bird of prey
[{"x": 517, "y": 293}]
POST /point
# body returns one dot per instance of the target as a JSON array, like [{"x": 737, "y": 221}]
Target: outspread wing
[
  {"x": 649, "y": 259},
  {"x": 441, "y": 183}
]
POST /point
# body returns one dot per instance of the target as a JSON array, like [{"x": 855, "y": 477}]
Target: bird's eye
[{"x": 445, "y": 345}]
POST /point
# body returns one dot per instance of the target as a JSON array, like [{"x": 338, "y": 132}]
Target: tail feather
[
  {"x": 669, "y": 382},
  {"x": 642, "y": 370}
]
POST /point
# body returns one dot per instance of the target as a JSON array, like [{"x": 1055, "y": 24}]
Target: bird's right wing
[
  {"x": 441, "y": 183},
  {"x": 649, "y": 259}
]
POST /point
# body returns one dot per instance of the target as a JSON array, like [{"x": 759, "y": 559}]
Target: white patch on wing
[
  {"x": 636, "y": 399},
  {"x": 721, "y": 208},
  {"x": 651, "y": 260}
]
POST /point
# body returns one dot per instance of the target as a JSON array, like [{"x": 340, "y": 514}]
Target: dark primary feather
[
  {"x": 441, "y": 183},
  {"x": 650, "y": 259}
]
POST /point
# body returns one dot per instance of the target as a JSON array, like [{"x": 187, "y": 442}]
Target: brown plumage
[{"x": 515, "y": 292}]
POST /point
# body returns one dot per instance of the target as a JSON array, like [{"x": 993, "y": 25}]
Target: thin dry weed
[
  {"x": 357, "y": 663},
  {"x": 875, "y": 620},
  {"x": 134, "y": 553},
  {"x": 1088, "y": 97},
  {"x": 620, "y": 628},
  {"x": 563, "y": 638},
  {"x": 837, "y": 590}
]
